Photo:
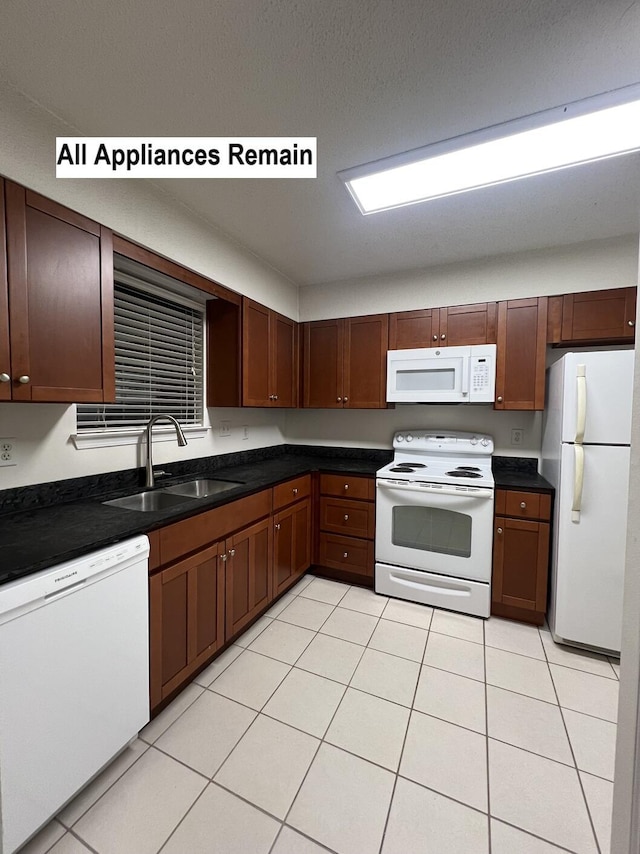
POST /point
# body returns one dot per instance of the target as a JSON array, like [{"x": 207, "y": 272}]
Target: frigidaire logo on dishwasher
[{"x": 68, "y": 575}]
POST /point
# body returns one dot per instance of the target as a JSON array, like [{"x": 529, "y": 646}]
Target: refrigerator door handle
[
  {"x": 581, "y": 397},
  {"x": 577, "y": 483}
]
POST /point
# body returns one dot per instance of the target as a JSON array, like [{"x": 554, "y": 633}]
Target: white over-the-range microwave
[{"x": 442, "y": 375}]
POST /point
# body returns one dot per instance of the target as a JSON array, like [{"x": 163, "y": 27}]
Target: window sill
[{"x": 134, "y": 436}]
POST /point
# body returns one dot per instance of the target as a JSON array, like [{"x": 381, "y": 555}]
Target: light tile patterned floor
[{"x": 345, "y": 722}]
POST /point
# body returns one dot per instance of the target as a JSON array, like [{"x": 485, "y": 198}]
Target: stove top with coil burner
[{"x": 424, "y": 456}]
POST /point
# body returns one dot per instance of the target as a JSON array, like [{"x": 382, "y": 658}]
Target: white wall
[
  {"x": 136, "y": 209},
  {"x": 375, "y": 428},
  {"x": 611, "y": 263}
]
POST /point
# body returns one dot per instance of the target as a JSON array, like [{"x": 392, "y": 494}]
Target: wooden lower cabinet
[
  {"x": 291, "y": 545},
  {"x": 249, "y": 582},
  {"x": 521, "y": 555},
  {"x": 186, "y": 619}
]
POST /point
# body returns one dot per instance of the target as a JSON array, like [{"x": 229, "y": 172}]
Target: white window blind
[{"x": 159, "y": 353}]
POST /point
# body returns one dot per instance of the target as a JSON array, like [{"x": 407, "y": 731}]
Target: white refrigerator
[{"x": 585, "y": 455}]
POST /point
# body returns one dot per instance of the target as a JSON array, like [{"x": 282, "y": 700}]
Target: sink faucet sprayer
[{"x": 179, "y": 435}]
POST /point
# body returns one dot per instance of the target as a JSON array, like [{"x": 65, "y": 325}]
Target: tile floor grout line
[
  {"x": 566, "y": 729},
  {"x": 404, "y": 742},
  {"x": 79, "y": 838},
  {"x": 486, "y": 729},
  {"x": 535, "y": 836},
  {"x": 164, "y": 844}
]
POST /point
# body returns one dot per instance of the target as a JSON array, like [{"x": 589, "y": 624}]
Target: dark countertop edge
[{"x": 123, "y": 524}]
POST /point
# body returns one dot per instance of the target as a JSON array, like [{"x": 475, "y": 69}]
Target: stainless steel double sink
[{"x": 171, "y": 496}]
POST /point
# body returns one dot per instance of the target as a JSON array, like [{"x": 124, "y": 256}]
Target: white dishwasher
[{"x": 74, "y": 680}]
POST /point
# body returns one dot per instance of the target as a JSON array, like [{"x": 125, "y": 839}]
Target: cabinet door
[
  {"x": 599, "y": 315},
  {"x": 256, "y": 378},
  {"x": 521, "y": 352},
  {"x": 5, "y": 356},
  {"x": 284, "y": 375},
  {"x": 186, "y": 620},
  {"x": 291, "y": 545},
  {"x": 366, "y": 342},
  {"x": 323, "y": 349},
  {"x": 60, "y": 272},
  {"x": 462, "y": 325},
  {"x": 520, "y": 563},
  {"x": 409, "y": 330},
  {"x": 248, "y": 588}
]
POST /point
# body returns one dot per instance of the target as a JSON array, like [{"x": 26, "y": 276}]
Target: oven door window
[{"x": 432, "y": 529}]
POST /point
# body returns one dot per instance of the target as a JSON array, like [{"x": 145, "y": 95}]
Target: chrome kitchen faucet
[{"x": 179, "y": 435}]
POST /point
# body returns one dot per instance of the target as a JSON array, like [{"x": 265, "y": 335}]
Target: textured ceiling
[{"x": 368, "y": 79}]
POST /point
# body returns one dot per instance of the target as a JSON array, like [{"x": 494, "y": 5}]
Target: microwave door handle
[{"x": 466, "y": 368}]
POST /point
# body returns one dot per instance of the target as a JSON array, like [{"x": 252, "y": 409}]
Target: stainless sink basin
[
  {"x": 201, "y": 487},
  {"x": 147, "y": 502}
]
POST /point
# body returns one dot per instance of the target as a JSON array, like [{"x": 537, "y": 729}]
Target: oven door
[{"x": 436, "y": 528}]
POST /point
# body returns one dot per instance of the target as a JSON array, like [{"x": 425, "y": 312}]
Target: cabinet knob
[
  {"x": 275, "y": 396},
  {"x": 346, "y": 517},
  {"x": 295, "y": 490},
  {"x": 499, "y": 530},
  {"x": 631, "y": 322},
  {"x": 435, "y": 337},
  {"x": 499, "y": 398},
  {"x": 277, "y": 526},
  {"x": 346, "y": 487},
  {"x": 24, "y": 379},
  {"x": 442, "y": 337},
  {"x": 4, "y": 378},
  {"x": 270, "y": 397},
  {"x": 345, "y": 554},
  {"x": 223, "y": 557},
  {"x": 523, "y": 505},
  {"x": 339, "y": 400},
  {"x": 232, "y": 552}
]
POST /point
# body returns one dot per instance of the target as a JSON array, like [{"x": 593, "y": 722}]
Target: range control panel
[{"x": 443, "y": 442}]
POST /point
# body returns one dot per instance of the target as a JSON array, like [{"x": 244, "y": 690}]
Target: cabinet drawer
[
  {"x": 347, "y": 553},
  {"x": 348, "y": 486},
  {"x": 352, "y": 518},
  {"x": 523, "y": 505},
  {"x": 292, "y": 490}
]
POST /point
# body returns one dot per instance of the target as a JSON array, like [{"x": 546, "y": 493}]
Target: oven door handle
[{"x": 479, "y": 492}]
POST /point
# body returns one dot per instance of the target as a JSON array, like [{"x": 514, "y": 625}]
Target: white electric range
[{"x": 434, "y": 520}]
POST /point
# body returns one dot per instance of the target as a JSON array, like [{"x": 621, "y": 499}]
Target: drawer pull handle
[
  {"x": 346, "y": 517},
  {"x": 523, "y": 505},
  {"x": 499, "y": 530},
  {"x": 295, "y": 491},
  {"x": 346, "y": 554}
]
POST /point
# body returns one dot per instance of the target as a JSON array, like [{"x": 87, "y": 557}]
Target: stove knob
[
  {"x": 400, "y": 438},
  {"x": 474, "y": 440},
  {"x": 484, "y": 442},
  {"x": 409, "y": 437}
]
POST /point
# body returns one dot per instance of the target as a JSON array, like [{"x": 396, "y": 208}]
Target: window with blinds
[{"x": 159, "y": 356}]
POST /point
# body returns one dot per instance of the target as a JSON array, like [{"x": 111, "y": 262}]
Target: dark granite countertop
[
  {"x": 519, "y": 473},
  {"x": 35, "y": 537}
]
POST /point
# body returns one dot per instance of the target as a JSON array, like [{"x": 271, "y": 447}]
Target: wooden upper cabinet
[
  {"x": 60, "y": 284},
  {"x": 409, "y": 330},
  {"x": 5, "y": 351},
  {"x": 345, "y": 362},
  {"x": 323, "y": 348},
  {"x": 269, "y": 357},
  {"x": 453, "y": 326},
  {"x": 521, "y": 352},
  {"x": 594, "y": 316}
]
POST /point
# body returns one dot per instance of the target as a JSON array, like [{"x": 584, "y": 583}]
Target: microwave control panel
[{"x": 482, "y": 379}]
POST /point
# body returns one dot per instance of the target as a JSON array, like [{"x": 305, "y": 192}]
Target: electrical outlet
[
  {"x": 225, "y": 429},
  {"x": 7, "y": 456},
  {"x": 517, "y": 436},
  {"x": 245, "y": 432}
]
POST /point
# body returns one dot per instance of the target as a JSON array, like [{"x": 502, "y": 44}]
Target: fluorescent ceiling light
[{"x": 582, "y": 132}]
